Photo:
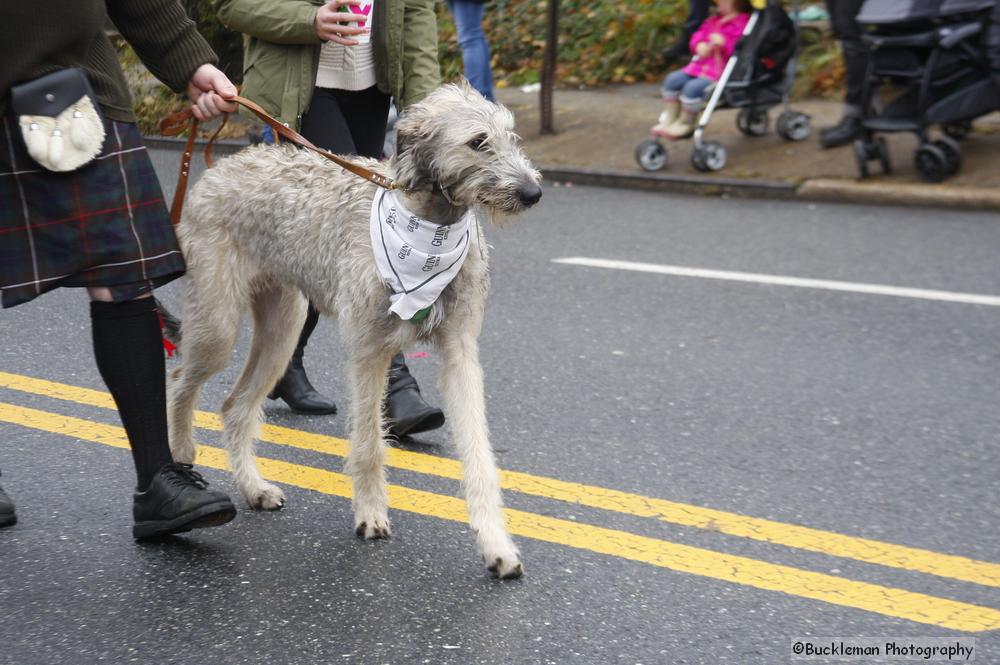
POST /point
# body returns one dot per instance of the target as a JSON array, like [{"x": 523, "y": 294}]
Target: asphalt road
[{"x": 724, "y": 414}]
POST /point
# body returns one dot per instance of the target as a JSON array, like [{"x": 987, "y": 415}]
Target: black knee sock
[{"x": 129, "y": 353}]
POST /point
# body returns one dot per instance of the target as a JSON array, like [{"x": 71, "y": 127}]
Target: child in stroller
[
  {"x": 743, "y": 61},
  {"x": 712, "y": 45}
]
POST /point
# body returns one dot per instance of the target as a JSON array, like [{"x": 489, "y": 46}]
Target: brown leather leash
[{"x": 175, "y": 123}]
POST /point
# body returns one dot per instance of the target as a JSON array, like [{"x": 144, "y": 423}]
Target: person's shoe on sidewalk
[
  {"x": 671, "y": 111},
  {"x": 7, "y": 514},
  {"x": 684, "y": 126},
  {"x": 178, "y": 500},
  {"x": 299, "y": 394},
  {"x": 405, "y": 409},
  {"x": 848, "y": 130}
]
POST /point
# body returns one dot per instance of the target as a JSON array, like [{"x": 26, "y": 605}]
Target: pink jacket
[{"x": 711, "y": 67}]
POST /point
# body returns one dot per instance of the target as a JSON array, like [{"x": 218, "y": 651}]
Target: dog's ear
[{"x": 412, "y": 163}]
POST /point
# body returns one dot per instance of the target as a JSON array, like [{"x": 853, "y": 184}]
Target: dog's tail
[{"x": 170, "y": 326}]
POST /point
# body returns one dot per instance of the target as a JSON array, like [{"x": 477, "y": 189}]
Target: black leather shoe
[
  {"x": 7, "y": 514},
  {"x": 846, "y": 131},
  {"x": 299, "y": 394},
  {"x": 407, "y": 413},
  {"x": 178, "y": 500}
]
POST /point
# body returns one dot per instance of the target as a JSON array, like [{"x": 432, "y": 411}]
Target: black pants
[
  {"x": 843, "y": 19},
  {"x": 697, "y": 13},
  {"x": 347, "y": 123}
]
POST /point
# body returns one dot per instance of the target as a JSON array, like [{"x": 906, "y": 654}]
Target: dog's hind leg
[
  {"x": 461, "y": 382},
  {"x": 366, "y": 463},
  {"x": 278, "y": 312},
  {"x": 209, "y": 334}
]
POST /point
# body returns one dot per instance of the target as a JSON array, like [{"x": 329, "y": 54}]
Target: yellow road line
[
  {"x": 733, "y": 524},
  {"x": 900, "y": 603}
]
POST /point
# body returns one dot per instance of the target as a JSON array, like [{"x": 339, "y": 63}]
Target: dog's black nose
[{"x": 530, "y": 195}]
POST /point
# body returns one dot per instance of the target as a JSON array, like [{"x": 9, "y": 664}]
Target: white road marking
[{"x": 780, "y": 280}]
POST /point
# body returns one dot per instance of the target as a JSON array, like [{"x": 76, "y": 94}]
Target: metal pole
[{"x": 549, "y": 61}]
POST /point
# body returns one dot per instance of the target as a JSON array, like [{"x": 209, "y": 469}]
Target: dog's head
[{"x": 458, "y": 141}]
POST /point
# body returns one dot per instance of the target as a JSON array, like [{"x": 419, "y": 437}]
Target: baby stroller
[
  {"x": 756, "y": 78},
  {"x": 943, "y": 56}
]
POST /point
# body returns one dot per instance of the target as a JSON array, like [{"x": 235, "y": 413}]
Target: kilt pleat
[{"x": 105, "y": 224}]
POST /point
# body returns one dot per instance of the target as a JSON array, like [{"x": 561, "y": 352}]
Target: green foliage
[{"x": 604, "y": 41}]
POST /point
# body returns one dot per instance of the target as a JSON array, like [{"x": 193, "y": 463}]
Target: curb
[{"x": 816, "y": 189}]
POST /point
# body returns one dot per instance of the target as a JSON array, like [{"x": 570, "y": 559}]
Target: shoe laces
[{"x": 184, "y": 474}]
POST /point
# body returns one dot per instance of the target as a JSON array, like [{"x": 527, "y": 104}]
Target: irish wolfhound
[{"x": 270, "y": 224}]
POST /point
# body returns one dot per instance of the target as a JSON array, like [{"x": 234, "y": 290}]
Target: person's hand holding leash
[
  {"x": 334, "y": 26},
  {"x": 209, "y": 89}
]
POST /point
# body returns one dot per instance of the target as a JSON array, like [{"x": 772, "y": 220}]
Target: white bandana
[{"x": 417, "y": 258}]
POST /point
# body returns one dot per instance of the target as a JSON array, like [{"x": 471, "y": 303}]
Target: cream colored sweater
[{"x": 346, "y": 67}]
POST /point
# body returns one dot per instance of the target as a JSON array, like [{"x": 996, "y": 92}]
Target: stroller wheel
[
  {"x": 957, "y": 130},
  {"x": 794, "y": 126},
  {"x": 651, "y": 155},
  {"x": 931, "y": 162},
  {"x": 952, "y": 152},
  {"x": 711, "y": 156},
  {"x": 752, "y": 122}
]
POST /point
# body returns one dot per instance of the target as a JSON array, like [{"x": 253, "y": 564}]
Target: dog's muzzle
[{"x": 529, "y": 194}]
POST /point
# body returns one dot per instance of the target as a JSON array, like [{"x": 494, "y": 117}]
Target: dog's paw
[
  {"x": 373, "y": 529},
  {"x": 509, "y": 568},
  {"x": 265, "y": 497}
]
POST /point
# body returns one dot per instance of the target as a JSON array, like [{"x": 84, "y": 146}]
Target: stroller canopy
[
  {"x": 882, "y": 12},
  {"x": 952, "y": 7}
]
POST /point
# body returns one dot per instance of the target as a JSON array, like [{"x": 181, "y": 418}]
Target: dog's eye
[{"x": 478, "y": 143}]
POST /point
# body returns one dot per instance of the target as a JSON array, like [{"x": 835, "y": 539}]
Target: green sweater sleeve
[
  {"x": 164, "y": 37},
  {"x": 421, "y": 71},
  {"x": 276, "y": 21}
]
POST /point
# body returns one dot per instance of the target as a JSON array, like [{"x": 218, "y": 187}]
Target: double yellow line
[{"x": 888, "y": 601}]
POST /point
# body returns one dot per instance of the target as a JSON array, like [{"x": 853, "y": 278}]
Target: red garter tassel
[{"x": 168, "y": 346}]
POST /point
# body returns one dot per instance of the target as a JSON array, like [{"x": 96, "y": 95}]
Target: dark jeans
[
  {"x": 347, "y": 123},
  {"x": 468, "y": 15},
  {"x": 697, "y": 13},
  {"x": 843, "y": 15}
]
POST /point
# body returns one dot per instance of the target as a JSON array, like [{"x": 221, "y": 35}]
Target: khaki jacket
[{"x": 281, "y": 51}]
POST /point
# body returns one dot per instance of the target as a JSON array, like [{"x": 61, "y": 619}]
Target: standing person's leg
[
  {"x": 128, "y": 349},
  {"x": 697, "y": 13},
  {"x": 366, "y": 112},
  {"x": 468, "y": 15},
  {"x": 324, "y": 124},
  {"x": 843, "y": 15}
]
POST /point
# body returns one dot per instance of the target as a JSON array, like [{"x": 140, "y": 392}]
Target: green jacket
[{"x": 281, "y": 52}]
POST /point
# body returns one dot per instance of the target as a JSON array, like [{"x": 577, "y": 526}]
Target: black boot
[
  {"x": 7, "y": 514},
  {"x": 178, "y": 500},
  {"x": 406, "y": 411},
  {"x": 846, "y": 131},
  {"x": 299, "y": 394}
]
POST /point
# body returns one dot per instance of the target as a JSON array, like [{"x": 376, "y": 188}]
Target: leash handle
[{"x": 175, "y": 123}]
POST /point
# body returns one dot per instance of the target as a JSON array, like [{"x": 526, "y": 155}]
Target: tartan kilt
[{"x": 105, "y": 224}]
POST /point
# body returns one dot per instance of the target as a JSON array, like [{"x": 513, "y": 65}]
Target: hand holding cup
[{"x": 343, "y": 27}]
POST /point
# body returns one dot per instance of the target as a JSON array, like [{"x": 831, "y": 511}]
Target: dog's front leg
[
  {"x": 366, "y": 462},
  {"x": 462, "y": 385}
]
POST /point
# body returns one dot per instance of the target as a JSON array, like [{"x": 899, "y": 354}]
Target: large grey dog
[{"x": 270, "y": 224}]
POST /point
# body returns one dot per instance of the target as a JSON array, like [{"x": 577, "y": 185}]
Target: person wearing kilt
[{"x": 104, "y": 226}]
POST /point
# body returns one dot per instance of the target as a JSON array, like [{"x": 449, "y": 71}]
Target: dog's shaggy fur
[{"x": 270, "y": 224}]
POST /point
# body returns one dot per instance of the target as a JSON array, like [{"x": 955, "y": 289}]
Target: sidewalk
[{"x": 597, "y": 131}]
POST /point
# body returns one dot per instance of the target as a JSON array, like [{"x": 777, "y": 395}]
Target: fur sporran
[{"x": 59, "y": 119}]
